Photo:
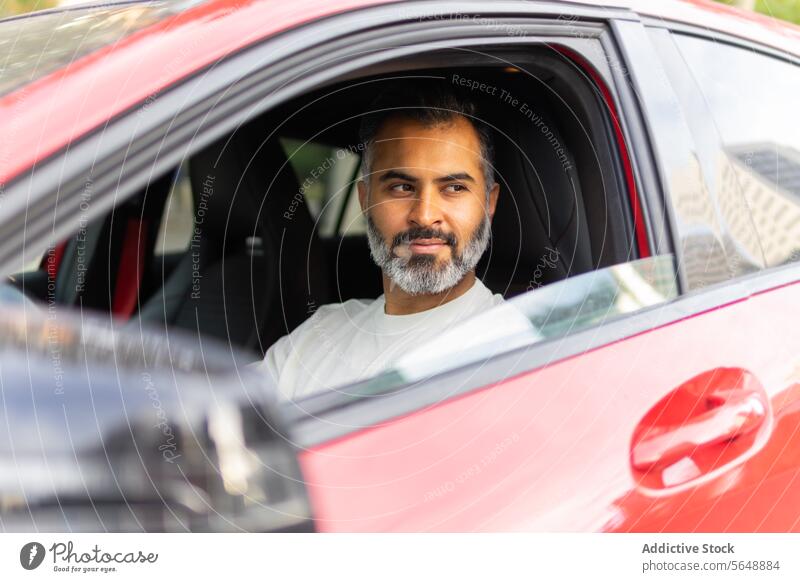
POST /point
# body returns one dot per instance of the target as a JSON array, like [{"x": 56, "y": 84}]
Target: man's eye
[
  {"x": 401, "y": 188},
  {"x": 456, "y": 188}
]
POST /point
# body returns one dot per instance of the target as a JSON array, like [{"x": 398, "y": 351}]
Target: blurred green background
[
  {"x": 785, "y": 9},
  {"x": 11, "y": 7}
]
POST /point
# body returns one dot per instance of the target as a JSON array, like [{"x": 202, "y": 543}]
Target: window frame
[{"x": 720, "y": 37}]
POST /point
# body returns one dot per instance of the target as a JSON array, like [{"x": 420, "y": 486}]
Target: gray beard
[{"x": 420, "y": 274}]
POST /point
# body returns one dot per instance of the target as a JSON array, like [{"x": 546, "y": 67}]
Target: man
[{"x": 429, "y": 194}]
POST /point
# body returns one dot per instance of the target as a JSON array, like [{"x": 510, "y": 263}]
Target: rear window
[
  {"x": 327, "y": 176},
  {"x": 37, "y": 44},
  {"x": 753, "y": 103}
]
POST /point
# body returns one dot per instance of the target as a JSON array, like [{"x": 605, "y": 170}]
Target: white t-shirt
[{"x": 345, "y": 342}]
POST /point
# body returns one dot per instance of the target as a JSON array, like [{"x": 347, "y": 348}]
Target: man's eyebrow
[
  {"x": 457, "y": 176},
  {"x": 395, "y": 175}
]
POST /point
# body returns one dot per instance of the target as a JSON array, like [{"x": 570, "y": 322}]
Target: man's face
[{"x": 426, "y": 204}]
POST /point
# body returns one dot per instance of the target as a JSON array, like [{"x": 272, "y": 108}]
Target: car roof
[{"x": 152, "y": 44}]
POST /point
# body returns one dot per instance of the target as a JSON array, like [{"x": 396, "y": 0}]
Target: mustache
[{"x": 405, "y": 237}]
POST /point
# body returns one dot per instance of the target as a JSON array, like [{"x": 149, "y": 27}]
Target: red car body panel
[{"x": 549, "y": 450}]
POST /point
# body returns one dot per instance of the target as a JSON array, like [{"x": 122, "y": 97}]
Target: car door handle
[{"x": 735, "y": 416}]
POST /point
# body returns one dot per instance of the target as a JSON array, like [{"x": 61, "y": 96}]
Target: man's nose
[{"x": 426, "y": 210}]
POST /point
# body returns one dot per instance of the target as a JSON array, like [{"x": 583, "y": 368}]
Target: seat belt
[
  {"x": 129, "y": 274},
  {"x": 52, "y": 259},
  {"x": 78, "y": 259}
]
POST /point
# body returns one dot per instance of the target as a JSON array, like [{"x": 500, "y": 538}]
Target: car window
[
  {"x": 759, "y": 128},
  {"x": 546, "y": 313},
  {"x": 32, "y": 264},
  {"x": 327, "y": 176},
  {"x": 177, "y": 220}
]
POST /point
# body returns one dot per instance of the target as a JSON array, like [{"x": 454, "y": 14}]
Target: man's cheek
[{"x": 384, "y": 229}]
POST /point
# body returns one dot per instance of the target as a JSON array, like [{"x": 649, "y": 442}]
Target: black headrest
[
  {"x": 539, "y": 231},
  {"x": 236, "y": 181}
]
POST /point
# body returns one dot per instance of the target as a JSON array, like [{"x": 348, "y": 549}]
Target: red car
[{"x": 647, "y": 231}]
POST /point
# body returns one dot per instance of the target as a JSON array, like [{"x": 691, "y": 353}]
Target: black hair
[{"x": 429, "y": 103}]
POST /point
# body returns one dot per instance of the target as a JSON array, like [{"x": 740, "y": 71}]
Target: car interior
[{"x": 252, "y": 233}]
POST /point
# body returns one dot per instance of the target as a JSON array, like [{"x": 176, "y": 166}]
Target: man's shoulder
[
  {"x": 323, "y": 321},
  {"x": 491, "y": 298}
]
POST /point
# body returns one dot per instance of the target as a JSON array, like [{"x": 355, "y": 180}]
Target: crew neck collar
[{"x": 402, "y": 323}]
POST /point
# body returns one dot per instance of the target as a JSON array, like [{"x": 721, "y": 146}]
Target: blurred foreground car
[{"x": 178, "y": 192}]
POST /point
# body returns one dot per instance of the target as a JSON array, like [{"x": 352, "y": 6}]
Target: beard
[{"x": 421, "y": 274}]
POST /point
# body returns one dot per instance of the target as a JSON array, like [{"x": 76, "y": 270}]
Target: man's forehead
[{"x": 443, "y": 144}]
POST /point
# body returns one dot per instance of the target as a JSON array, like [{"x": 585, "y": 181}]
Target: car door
[
  {"x": 752, "y": 150},
  {"x": 668, "y": 419},
  {"x": 680, "y": 415}
]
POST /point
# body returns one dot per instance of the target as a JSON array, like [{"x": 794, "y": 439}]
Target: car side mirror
[{"x": 103, "y": 429}]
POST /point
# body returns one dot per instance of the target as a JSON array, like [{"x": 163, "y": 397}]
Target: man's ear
[
  {"x": 493, "y": 194},
  {"x": 362, "y": 195}
]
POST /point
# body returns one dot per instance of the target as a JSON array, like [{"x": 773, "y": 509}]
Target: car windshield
[{"x": 33, "y": 46}]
